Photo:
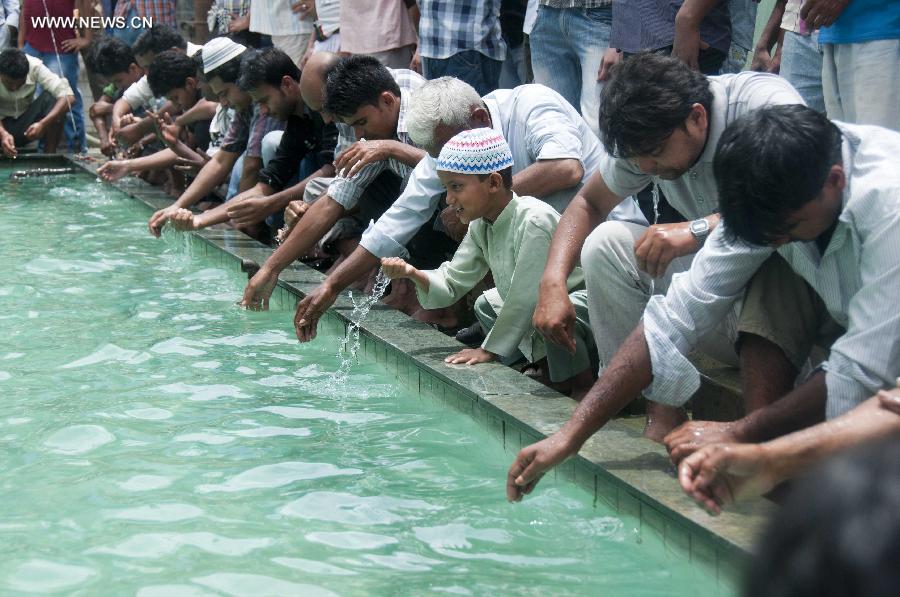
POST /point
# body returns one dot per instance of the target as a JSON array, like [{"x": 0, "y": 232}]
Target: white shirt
[
  {"x": 9, "y": 16},
  {"x": 275, "y": 17},
  {"x": 857, "y": 277},
  {"x": 694, "y": 194},
  {"x": 139, "y": 93},
  {"x": 14, "y": 103},
  {"x": 538, "y": 124}
]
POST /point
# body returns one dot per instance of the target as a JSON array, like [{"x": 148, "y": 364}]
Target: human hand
[
  {"x": 189, "y": 165},
  {"x": 35, "y": 131},
  {"x": 310, "y": 309},
  {"x": 76, "y": 44},
  {"x": 453, "y": 226},
  {"x": 822, "y": 13},
  {"x": 293, "y": 212},
  {"x": 8, "y": 143},
  {"x": 107, "y": 148},
  {"x": 610, "y": 58},
  {"x": 159, "y": 218},
  {"x": 533, "y": 461},
  {"x": 360, "y": 154},
  {"x": 129, "y": 134},
  {"x": 554, "y": 317},
  {"x": 661, "y": 244},
  {"x": 259, "y": 289},
  {"x": 305, "y": 9},
  {"x": 721, "y": 474},
  {"x": 689, "y": 437},
  {"x": 183, "y": 219},
  {"x": 113, "y": 170},
  {"x": 890, "y": 399},
  {"x": 248, "y": 210},
  {"x": 470, "y": 356},
  {"x": 396, "y": 268},
  {"x": 415, "y": 64}
]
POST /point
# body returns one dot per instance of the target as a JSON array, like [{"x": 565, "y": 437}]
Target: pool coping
[{"x": 632, "y": 475}]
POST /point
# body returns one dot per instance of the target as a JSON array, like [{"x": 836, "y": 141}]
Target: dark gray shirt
[{"x": 640, "y": 25}]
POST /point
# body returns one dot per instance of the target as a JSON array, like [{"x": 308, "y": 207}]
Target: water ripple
[{"x": 278, "y": 475}]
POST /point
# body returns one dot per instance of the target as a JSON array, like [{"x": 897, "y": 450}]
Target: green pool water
[{"x": 157, "y": 440}]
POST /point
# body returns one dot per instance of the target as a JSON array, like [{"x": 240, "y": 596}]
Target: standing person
[
  {"x": 159, "y": 12},
  {"x": 861, "y": 53},
  {"x": 380, "y": 28},
  {"x": 568, "y": 40},
  {"x": 58, "y": 49},
  {"x": 9, "y": 22},
  {"x": 462, "y": 39},
  {"x": 290, "y": 33}
]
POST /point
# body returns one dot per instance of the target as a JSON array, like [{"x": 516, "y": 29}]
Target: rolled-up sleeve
[
  {"x": 43, "y": 76},
  {"x": 867, "y": 357},
  {"x": 551, "y": 134},
  {"x": 347, "y": 191},
  {"x": 621, "y": 177},
  {"x": 413, "y": 209},
  {"x": 697, "y": 300},
  {"x": 138, "y": 94}
]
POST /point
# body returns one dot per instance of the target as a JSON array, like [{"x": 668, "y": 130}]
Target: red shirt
[{"x": 38, "y": 34}]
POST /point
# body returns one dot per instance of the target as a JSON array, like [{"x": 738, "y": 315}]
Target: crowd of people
[{"x": 658, "y": 189}]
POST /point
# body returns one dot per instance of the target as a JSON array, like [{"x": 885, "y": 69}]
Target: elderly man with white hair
[{"x": 554, "y": 152}]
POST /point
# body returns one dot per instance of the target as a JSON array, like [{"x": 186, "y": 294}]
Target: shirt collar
[
  {"x": 493, "y": 108},
  {"x": 506, "y": 214},
  {"x": 716, "y": 120}
]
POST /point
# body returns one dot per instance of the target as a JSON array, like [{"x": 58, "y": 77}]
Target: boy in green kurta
[{"x": 510, "y": 236}]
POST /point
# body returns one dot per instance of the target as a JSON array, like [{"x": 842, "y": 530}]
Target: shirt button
[
  {"x": 693, "y": 174},
  {"x": 700, "y": 199}
]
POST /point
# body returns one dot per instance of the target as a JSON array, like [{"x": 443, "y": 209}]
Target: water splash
[
  {"x": 178, "y": 242},
  {"x": 349, "y": 350}
]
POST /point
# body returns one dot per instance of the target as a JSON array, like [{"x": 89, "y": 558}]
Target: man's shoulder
[
  {"x": 748, "y": 90},
  {"x": 407, "y": 79}
]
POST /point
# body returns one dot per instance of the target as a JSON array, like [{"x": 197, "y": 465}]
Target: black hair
[
  {"x": 647, "y": 97},
  {"x": 769, "y": 163},
  {"x": 14, "y": 64},
  {"x": 169, "y": 70},
  {"x": 268, "y": 65},
  {"x": 229, "y": 72},
  {"x": 837, "y": 533},
  {"x": 356, "y": 81},
  {"x": 505, "y": 174},
  {"x": 156, "y": 39},
  {"x": 108, "y": 56}
]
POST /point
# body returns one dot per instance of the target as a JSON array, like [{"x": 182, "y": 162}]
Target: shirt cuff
[
  {"x": 844, "y": 392},
  {"x": 380, "y": 244},
  {"x": 675, "y": 379}
]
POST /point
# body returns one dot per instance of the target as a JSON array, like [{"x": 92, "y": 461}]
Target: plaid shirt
[
  {"x": 247, "y": 131},
  {"x": 161, "y": 11},
  {"x": 577, "y": 3},
  {"x": 447, "y": 27},
  {"x": 347, "y": 191}
]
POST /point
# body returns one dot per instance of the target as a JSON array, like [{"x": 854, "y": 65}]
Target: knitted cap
[
  {"x": 477, "y": 151},
  {"x": 218, "y": 51}
]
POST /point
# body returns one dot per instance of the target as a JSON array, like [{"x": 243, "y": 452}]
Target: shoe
[{"x": 471, "y": 336}]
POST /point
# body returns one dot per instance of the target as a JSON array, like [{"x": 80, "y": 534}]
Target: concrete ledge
[{"x": 631, "y": 475}]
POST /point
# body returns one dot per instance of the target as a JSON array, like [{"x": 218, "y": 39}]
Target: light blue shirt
[{"x": 9, "y": 17}]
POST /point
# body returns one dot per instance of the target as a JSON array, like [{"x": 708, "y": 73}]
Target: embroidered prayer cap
[
  {"x": 476, "y": 151},
  {"x": 218, "y": 51}
]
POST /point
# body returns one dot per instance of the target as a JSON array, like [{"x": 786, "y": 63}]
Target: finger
[
  {"x": 652, "y": 258},
  {"x": 569, "y": 337},
  {"x": 513, "y": 489},
  {"x": 360, "y": 163}
]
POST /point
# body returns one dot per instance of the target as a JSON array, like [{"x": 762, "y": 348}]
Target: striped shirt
[
  {"x": 275, "y": 17},
  {"x": 640, "y": 25},
  {"x": 448, "y": 27},
  {"x": 347, "y": 191},
  {"x": 162, "y": 12},
  {"x": 247, "y": 130},
  {"x": 857, "y": 276}
]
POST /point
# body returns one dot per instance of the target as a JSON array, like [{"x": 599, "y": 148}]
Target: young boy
[
  {"x": 510, "y": 236},
  {"x": 24, "y": 117}
]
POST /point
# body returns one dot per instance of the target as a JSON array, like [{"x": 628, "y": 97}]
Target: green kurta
[{"x": 514, "y": 248}]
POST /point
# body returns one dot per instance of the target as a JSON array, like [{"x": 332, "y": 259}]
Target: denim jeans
[
  {"x": 234, "y": 181},
  {"x": 567, "y": 46},
  {"x": 127, "y": 34},
  {"x": 860, "y": 82},
  {"x": 471, "y": 66},
  {"x": 66, "y": 65},
  {"x": 801, "y": 65},
  {"x": 513, "y": 73}
]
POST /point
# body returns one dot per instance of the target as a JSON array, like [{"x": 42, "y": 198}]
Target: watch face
[{"x": 699, "y": 227}]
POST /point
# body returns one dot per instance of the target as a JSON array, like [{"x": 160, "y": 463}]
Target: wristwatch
[{"x": 700, "y": 230}]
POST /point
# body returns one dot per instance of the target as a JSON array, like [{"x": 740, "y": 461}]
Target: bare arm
[
  {"x": 770, "y": 35},
  {"x": 202, "y": 110},
  {"x": 317, "y": 220},
  {"x": 546, "y": 177},
  {"x": 60, "y": 109},
  {"x": 687, "y": 42},
  {"x": 250, "y": 173}
]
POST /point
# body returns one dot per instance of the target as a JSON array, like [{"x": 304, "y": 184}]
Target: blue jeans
[
  {"x": 127, "y": 34},
  {"x": 471, "y": 66},
  {"x": 66, "y": 65},
  {"x": 567, "y": 46},
  {"x": 801, "y": 65},
  {"x": 513, "y": 72}
]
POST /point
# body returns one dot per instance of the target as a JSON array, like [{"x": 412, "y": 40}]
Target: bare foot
[
  {"x": 446, "y": 318},
  {"x": 662, "y": 419}
]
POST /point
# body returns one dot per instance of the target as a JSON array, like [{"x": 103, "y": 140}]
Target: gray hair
[{"x": 446, "y": 101}]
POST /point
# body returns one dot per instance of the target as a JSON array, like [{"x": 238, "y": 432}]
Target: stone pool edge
[{"x": 631, "y": 474}]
